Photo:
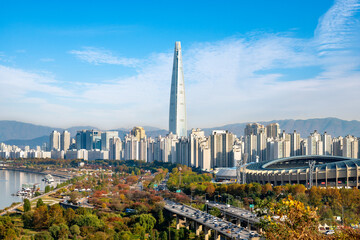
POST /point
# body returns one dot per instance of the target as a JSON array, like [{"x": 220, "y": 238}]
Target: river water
[{"x": 11, "y": 182}]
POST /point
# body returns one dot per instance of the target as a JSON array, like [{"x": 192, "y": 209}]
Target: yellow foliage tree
[{"x": 291, "y": 219}]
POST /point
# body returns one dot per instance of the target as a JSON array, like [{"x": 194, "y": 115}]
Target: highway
[
  {"x": 242, "y": 214},
  {"x": 222, "y": 227}
]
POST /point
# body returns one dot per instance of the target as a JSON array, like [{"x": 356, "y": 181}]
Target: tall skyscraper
[
  {"x": 65, "y": 140},
  {"x": 177, "y": 115},
  {"x": 55, "y": 141},
  {"x": 105, "y": 139}
]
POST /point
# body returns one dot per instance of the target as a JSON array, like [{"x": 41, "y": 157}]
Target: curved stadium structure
[{"x": 329, "y": 171}]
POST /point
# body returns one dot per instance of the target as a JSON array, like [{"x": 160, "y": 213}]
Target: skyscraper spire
[{"x": 177, "y": 116}]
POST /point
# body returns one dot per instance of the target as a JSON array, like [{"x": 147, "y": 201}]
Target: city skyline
[{"x": 248, "y": 66}]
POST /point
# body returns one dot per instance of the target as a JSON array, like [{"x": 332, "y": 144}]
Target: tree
[
  {"x": 160, "y": 216},
  {"x": 56, "y": 214},
  {"x": 39, "y": 203},
  {"x": 64, "y": 231},
  {"x": 163, "y": 235},
  {"x": 69, "y": 215},
  {"x": 75, "y": 230},
  {"x": 8, "y": 230},
  {"x": 27, "y": 205},
  {"x": 44, "y": 235},
  {"x": 147, "y": 221},
  {"x": 41, "y": 217},
  {"x": 47, "y": 188},
  {"x": 290, "y": 219},
  {"x": 54, "y": 231},
  {"x": 28, "y": 219},
  {"x": 210, "y": 189}
]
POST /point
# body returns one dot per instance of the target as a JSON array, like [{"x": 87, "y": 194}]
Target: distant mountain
[
  {"x": 333, "y": 126},
  {"x": 19, "y": 130},
  {"x": 22, "y": 131},
  {"x": 22, "y": 134},
  {"x": 32, "y": 143}
]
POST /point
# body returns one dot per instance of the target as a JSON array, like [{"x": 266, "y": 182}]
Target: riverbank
[{"x": 55, "y": 173}]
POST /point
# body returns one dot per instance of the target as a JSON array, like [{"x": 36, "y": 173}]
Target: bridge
[
  {"x": 201, "y": 221},
  {"x": 241, "y": 216}
]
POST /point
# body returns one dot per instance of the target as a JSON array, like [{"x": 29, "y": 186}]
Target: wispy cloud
[
  {"x": 99, "y": 56},
  {"x": 338, "y": 28},
  {"x": 233, "y": 80}
]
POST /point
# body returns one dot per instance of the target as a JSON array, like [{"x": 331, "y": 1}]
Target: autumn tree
[
  {"x": 41, "y": 217},
  {"x": 291, "y": 219}
]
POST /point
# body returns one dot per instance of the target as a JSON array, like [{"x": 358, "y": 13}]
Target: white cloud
[
  {"x": 233, "y": 80},
  {"x": 98, "y": 56},
  {"x": 337, "y": 29}
]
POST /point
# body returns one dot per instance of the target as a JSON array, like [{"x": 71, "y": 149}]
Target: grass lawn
[{"x": 47, "y": 200}]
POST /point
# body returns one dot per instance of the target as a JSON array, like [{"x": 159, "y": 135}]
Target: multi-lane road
[
  {"x": 219, "y": 225},
  {"x": 234, "y": 212}
]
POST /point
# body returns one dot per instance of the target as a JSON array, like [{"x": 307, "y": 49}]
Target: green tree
[
  {"x": 27, "y": 205},
  {"x": 44, "y": 235},
  {"x": 160, "y": 216},
  {"x": 147, "y": 221},
  {"x": 54, "y": 231},
  {"x": 39, "y": 203},
  {"x": 28, "y": 219},
  {"x": 47, "y": 188},
  {"x": 64, "y": 231},
  {"x": 163, "y": 235},
  {"x": 75, "y": 230}
]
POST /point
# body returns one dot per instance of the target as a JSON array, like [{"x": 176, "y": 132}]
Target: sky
[{"x": 108, "y": 64}]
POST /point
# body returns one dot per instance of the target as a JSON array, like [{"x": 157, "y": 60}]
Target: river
[{"x": 11, "y": 182}]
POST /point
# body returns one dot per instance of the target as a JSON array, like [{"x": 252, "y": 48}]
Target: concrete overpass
[
  {"x": 201, "y": 221},
  {"x": 241, "y": 216}
]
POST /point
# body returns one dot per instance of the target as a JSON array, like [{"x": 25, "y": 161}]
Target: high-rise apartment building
[
  {"x": 337, "y": 146},
  {"x": 115, "y": 148},
  {"x": 315, "y": 145},
  {"x": 55, "y": 141},
  {"x": 327, "y": 143},
  {"x": 65, "y": 141},
  {"x": 253, "y": 129},
  {"x": 195, "y": 138},
  {"x": 281, "y": 148},
  {"x": 221, "y": 145},
  {"x": 105, "y": 139},
  {"x": 295, "y": 144},
  {"x": 251, "y": 147},
  {"x": 273, "y": 130},
  {"x": 177, "y": 113},
  {"x": 350, "y": 147},
  {"x": 261, "y": 145},
  {"x": 139, "y": 133}
]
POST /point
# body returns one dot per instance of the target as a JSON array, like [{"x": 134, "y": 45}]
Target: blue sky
[{"x": 108, "y": 63}]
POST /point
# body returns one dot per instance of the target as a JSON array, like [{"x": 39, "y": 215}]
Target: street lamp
[{"x": 206, "y": 202}]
